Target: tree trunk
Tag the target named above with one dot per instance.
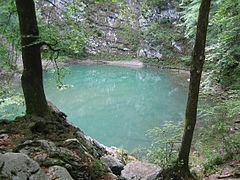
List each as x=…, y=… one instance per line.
x=198, y=58
x=32, y=82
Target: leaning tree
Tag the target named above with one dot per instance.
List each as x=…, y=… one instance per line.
x=181, y=168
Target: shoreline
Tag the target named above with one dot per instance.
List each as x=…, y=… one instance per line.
x=133, y=63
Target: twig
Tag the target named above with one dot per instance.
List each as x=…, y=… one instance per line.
x=50, y=46
x=54, y=59
x=50, y=2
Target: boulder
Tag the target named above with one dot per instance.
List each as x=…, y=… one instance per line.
x=73, y=156
x=150, y=53
x=19, y=166
x=29, y=146
x=113, y=163
x=99, y=149
x=59, y=173
x=140, y=171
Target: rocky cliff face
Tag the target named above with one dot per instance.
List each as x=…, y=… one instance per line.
x=128, y=29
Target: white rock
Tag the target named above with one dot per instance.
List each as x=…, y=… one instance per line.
x=113, y=163
x=140, y=171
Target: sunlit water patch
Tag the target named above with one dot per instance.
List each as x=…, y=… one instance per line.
x=117, y=105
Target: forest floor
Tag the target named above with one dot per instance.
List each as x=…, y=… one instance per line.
x=229, y=171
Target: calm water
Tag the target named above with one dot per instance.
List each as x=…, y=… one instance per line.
x=116, y=105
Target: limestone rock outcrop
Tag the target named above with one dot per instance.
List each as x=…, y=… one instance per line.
x=140, y=171
x=19, y=166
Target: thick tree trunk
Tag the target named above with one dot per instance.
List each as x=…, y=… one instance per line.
x=198, y=58
x=32, y=83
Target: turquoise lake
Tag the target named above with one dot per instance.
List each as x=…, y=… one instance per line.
x=117, y=105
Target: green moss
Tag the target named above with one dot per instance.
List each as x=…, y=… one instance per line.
x=165, y=62
x=97, y=170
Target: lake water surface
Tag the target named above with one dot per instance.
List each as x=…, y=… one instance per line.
x=117, y=105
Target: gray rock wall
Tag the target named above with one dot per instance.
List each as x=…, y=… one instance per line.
x=117, y=32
